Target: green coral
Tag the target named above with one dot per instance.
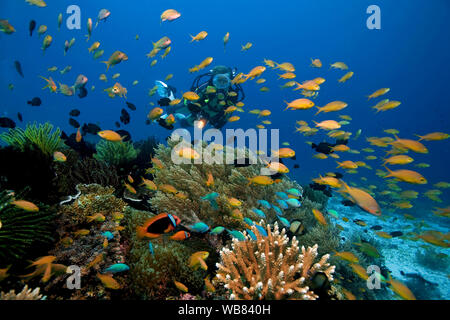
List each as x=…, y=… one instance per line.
x=42, y=137
x=21, y=231
x=115, y=153
x=152, y=276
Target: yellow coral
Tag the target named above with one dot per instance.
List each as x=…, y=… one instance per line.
x=270, y=268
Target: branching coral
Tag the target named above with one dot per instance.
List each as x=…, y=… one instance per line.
x=270, y=267
x=229, y=182
x=25, y=294
x=115, y=153
x=22, y=231
x=42, y=137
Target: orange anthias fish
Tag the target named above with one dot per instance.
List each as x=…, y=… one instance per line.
x=25, y=205
x=78, y=136
x=51, y=85
x=348, y=256
x=98, y=258
x=210, y=180
x=319, y=217
x=170, y=15
x=200, y=36
x=364, y=200
x=4, y=273
x=412, y=145
x=180, y=286
x=108, y=281
x=168, y=188
x=157, y=163
x=359, y=270
x=407, y=176
x=400, y=289
x=198, y=260
x=110, y=135
x=149, y=184
x=157, y=225
x=283, y=153
x=260, y=180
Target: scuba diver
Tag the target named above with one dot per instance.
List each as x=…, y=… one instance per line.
x=216, y=93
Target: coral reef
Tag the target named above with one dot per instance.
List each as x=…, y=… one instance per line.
x=23, y=232
x=115, y=153
x=229, y=182
x=85, y=171
x=270, y=267
x=152, y=275
x=42, y=137
x=25, y=294
x=315, y=195
x=82, y=241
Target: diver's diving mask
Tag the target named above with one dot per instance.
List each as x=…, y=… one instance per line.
x=221, y=81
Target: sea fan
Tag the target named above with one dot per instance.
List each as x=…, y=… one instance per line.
x=115, y=153
x=21, y=231
x=42, y=137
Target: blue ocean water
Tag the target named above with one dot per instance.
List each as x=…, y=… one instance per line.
x=409, y=55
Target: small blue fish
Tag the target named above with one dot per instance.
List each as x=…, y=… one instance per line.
x=333, y=213
x=108, y=235
x=294, y=192
x=277, y=210
x=260, y=213
x=251, y=234
x=261, y=230
x=282, y=195
x=285, y=222
x=118, y=267
x=237, y=234
x=294, y=203
x=211, y=197
x=150, y=248
x=248, y=221
x=282, y=204
x=200, y=227
x=217, y=230
x=264, y=203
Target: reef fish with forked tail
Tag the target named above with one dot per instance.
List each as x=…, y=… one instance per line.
x=157, y=225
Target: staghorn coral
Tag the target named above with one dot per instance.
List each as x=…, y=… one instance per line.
x=270, y=267
x=41, y=137
x=229, y=181
x=25, y=294
x=22, y=232
x=115, y=153
x=151, y=276
x=82, y=250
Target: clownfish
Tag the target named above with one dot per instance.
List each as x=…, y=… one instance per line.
x=157, y=225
